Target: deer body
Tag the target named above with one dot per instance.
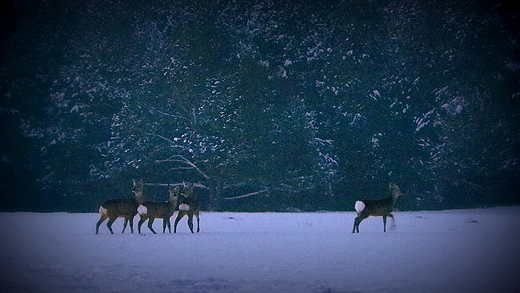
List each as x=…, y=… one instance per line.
x=188, y=206
x=122, y=207
x=164, y=210
x=377, y=208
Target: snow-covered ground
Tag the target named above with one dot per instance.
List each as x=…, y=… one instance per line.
x=443, y=251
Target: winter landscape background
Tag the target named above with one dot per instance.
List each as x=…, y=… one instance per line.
x=266, y=106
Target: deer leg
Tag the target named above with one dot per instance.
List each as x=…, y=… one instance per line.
x=109, y=224
x=163, y=225
x=393, y=221
x=141, y=221
x=179, y=217
x=150, y=223
x=101, y=220
x=384, y=223
x=355, y=229
x=357, y=221
x=198, y=228
x=190, y=222
x=166, y=222
x=131, y=219
x=124, y=225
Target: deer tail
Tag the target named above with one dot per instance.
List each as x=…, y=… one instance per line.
x=142, y=210
x=184, y=207
x=360, y=206
x=103, y=211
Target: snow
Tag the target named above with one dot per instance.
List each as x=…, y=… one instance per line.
x=429, y=251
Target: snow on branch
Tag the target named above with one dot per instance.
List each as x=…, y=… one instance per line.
x=282, y=187
x=176, y=184
x=172, y=143
x=183, y=160
x=247, y=195
x=168, y=114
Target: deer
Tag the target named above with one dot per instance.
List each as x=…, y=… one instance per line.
x=164, y=210
x=121, y=207
x=377, y=208
x=188, y=206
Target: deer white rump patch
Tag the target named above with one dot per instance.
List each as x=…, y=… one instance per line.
x=184, y=207
x=142, y=210
x=102, y=210
x=360, y=206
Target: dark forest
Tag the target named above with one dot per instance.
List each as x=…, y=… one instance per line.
x=264, y=105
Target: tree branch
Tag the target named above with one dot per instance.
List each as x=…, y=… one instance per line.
x=176, y=184
x=247, y=195
x=168, y=114
x=172, y=143
x=184, y=161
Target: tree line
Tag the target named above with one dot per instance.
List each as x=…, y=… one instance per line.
x=289, y=106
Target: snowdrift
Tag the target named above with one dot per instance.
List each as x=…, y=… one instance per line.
x=443, y=251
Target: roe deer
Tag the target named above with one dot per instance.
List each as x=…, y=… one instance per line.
x=377, y=208
x=164, y=210
x=121, y=207
x=188, y=206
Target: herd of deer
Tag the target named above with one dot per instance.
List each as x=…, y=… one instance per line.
x=181, y=199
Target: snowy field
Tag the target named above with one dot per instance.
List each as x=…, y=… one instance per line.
x=443, y=251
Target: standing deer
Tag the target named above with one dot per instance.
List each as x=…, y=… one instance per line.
x=377, y=208
x=164, y=210
x=188, y=206
x=121, y=207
